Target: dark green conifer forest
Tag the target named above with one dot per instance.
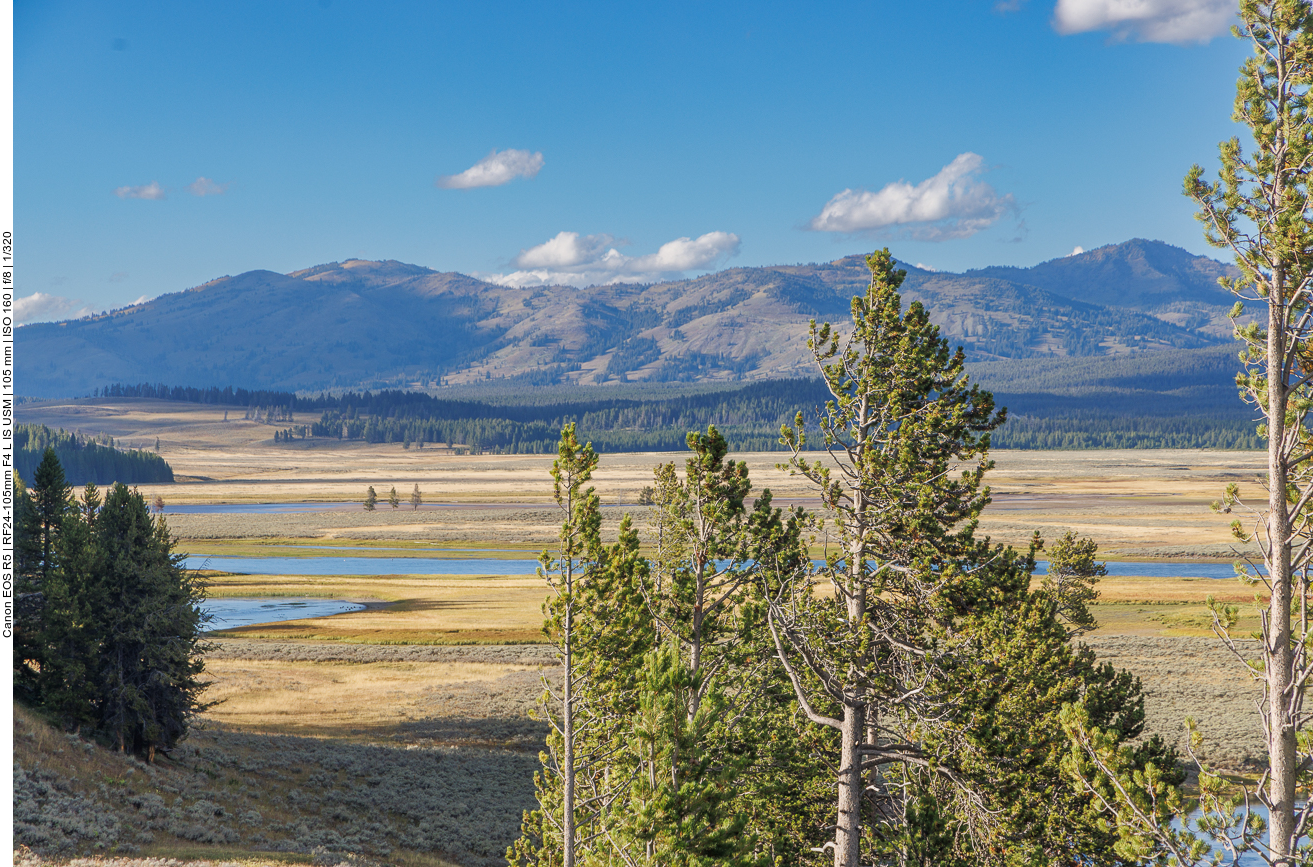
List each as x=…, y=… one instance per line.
x=86, y=460
x=108, y=628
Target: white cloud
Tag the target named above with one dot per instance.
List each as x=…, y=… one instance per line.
x=954, y=203
x=206, y=187
x=1076, y=251
x=687, y=254
x=566, y=250
x=494, y=170
x=584, y=260
x=1176, y=21
x=40, y=307
x=926, y=268
x=152, y=191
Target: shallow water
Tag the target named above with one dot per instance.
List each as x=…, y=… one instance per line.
x=251, y=508
x=285, y=508
x=411, y=552
x=229, y=613
x=1158, y=569
x=362, y=566
x=417, y=563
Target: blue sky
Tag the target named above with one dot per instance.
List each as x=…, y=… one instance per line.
x=159, y=145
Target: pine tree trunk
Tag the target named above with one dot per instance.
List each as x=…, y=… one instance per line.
x=567, y=823
x=1281, y=750
x=567, y=723
x=695, y=653
x=848, y=833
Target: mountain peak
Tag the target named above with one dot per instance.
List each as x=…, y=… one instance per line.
x=374, y=273
x=1138, y=274
x=363, y=323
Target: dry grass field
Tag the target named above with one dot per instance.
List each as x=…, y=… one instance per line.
x=318, y=698
x=1136, y=503
x=399, y=734
x=446, y=610
x=369, y=693
x=402, y=609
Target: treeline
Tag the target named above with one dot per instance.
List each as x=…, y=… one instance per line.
x=226, y=396
x=740, y=404
x=749, y=415
x=1127, y=432
x=85, y=459
x=1115, y=406
x=500, y=436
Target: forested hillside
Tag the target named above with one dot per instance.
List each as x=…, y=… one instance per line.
x=359, y=324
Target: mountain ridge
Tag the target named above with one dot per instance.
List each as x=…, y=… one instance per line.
x=361, y=323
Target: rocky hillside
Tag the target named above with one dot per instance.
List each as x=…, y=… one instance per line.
x=373, y=324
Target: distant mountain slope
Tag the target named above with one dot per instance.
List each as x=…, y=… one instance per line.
x=375, y=324
x=302, y=330
x=1147, y=276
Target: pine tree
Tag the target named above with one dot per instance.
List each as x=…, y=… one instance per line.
x=1070, y=579
x=1269, y=191
x=89, y=505
x=144, y=607
x=902, y=415
x=787, y=791
x=1008, y=685
x=52, y=498
x=27, y=596
x=393, y=500
x=613, y=633
x=599, y=603
x=707, y=598
x=551, y=834
x=371, y=499
x=703, y=571
x=681, y=808
x=69, y=675
x=40, y=516
x=416, y=498
x=115, y=639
